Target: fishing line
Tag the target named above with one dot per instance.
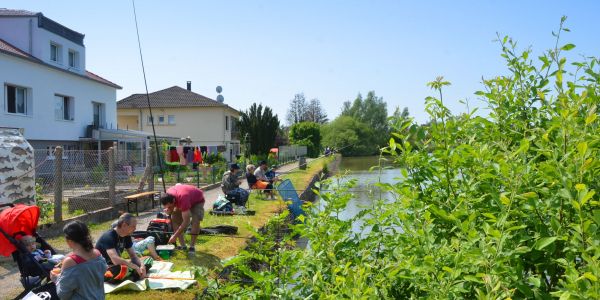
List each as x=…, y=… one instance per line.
x=162, y=176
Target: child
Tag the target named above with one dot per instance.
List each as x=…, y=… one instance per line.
x=43, y=257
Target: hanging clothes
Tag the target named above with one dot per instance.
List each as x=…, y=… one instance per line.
x=181, y=156
x=189, y=154
x=197, y=156
x=173, y=156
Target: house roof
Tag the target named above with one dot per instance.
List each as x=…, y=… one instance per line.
x=170, y=97
x=46, y=23
x=9, y=49
x=16, y=13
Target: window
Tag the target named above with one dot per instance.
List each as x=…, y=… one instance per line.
x=226, y=122
x=149, y=120
x=55, y=54
x=161, y=120
x=63, y=108
x=16, y=100
x=98, y=115
x=171, y=120
x=73, y=59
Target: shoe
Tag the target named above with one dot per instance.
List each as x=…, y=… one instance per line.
x=181, y=248
x=192, y=250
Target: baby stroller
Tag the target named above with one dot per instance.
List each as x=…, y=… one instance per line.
x=17, y=221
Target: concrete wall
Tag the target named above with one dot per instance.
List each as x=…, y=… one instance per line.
x=42, y=84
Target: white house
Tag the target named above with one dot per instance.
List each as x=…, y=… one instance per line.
x=46, y=89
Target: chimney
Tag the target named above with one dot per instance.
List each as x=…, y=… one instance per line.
x=189, y=86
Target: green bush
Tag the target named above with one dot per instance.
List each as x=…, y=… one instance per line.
x=488, y=208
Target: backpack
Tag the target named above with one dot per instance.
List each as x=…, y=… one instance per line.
x=222, y=205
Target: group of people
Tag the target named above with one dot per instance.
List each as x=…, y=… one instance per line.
x=81, y=273
x=257, y=178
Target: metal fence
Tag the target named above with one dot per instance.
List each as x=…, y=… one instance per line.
x=83, y=181
x=291, y=153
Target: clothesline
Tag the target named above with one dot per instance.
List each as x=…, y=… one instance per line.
x=184, y=155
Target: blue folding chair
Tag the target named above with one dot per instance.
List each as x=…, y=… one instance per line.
x=288, y=194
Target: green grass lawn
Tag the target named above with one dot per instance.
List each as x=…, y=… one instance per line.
x=210, y=250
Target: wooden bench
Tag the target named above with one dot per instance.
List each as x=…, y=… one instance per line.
x=135, y=197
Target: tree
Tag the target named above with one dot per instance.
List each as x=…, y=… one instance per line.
x=350, y=136
x=307, y=134
x=372, y=111
x=259, y=128
x=315, y=112
x=297, y=111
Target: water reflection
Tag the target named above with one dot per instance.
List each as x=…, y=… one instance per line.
x=365, y=191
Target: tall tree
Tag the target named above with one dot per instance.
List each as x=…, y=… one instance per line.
x=258, y=128
x=350, y=136
x=315, y=112
x=297, y=111
x=371, y=110
x=307, y=134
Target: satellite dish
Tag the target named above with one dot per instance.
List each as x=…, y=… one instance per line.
x=220, y=98
x=219, y=89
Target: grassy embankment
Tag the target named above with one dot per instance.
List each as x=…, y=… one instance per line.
x=210, y=250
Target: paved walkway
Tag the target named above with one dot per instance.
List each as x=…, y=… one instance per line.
x=9, y=273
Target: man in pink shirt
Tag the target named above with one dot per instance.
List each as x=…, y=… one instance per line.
x=184, y=202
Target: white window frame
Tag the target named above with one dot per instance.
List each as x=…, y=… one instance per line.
x=60, y=115
x=171, y=119
x=161, y=120
x=58, y=52
x=75, y=61
x=26, y=99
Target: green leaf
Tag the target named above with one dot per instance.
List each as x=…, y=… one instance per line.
x=567, y=47
x=544, y=242
x=534, y=281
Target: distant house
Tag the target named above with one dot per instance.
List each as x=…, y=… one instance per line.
x=46, y=90
x=179, y=112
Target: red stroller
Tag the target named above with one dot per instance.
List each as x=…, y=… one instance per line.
x=17, y=221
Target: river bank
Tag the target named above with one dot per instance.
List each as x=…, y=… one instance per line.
x=210, y=250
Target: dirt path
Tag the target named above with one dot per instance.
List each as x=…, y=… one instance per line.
x=9, y=273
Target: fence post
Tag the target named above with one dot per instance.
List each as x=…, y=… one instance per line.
x=111, y=176
x=150, y=164
x=58, y=184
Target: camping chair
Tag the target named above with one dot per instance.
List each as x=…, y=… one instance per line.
x=288, y=193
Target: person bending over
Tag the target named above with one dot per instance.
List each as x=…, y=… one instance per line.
x=185, y=204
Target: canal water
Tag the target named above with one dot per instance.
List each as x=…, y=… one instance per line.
x=365, y=191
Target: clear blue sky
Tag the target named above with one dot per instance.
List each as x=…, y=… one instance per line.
x=266, y=51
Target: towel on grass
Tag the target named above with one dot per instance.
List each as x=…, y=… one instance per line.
x=159, y=276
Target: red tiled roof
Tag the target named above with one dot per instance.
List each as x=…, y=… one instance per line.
x=7, y=48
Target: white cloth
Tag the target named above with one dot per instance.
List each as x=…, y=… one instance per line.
x=160, y=277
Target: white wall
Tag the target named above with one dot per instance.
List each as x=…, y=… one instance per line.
x=43, y=83
x=15, y=30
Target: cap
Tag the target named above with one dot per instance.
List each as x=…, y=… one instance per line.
x=262, y=162
x=234, y=166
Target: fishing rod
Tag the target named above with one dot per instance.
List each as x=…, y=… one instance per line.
x=319, y=157
x=162, y=176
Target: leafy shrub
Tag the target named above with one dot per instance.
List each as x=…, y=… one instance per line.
x=497, y=208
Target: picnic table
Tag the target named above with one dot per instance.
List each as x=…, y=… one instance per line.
x=135, y=197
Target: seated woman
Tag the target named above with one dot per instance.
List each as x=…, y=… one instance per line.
x=255, y=183
x=82, y=272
